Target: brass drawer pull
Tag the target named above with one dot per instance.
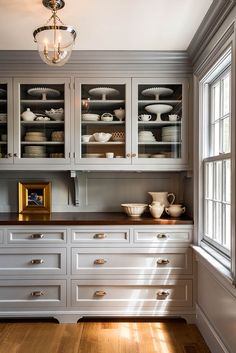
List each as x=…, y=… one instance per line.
x=162, y=261
x=37, y=236
x=162, y=294
x=100, y=293
x=37, y=294
x=37, y=261
x=99, y=236
x=162, y=236
x=99, y=262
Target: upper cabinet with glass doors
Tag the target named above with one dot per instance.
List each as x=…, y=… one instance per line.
x=42, y=119
x=103, y=121
x=6, y=130
x=160, y=122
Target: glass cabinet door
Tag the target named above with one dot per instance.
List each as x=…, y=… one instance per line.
x=103, y=121
x=160, y=121
x=6, y=128
x=43, y=109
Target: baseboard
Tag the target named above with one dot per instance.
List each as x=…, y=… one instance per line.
x=211, y=337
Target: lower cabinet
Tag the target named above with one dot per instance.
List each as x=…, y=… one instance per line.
x=68, y=273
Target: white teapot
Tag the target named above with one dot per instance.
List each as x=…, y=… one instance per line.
x=163, y=197
x=156, y=209
x=28, y=115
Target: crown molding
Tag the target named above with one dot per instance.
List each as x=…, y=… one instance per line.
x=99, y=61
x=212, y=21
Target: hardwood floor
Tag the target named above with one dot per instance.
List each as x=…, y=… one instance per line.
x=101, y=337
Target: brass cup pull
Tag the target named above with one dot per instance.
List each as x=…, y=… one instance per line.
x=163, y=294
x=100, y=293
x=37, y=293
x=161, y=236
x=99, y=262
x=162, y=261
x=37, y=261
x=99, y=236
x=133, y=155
x=128, y=155
x=37, y=236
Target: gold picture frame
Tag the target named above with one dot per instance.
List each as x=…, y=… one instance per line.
x=34, y=197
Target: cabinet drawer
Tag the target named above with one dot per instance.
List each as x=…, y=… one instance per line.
x=35, y=236
x=32, y=261
x=100, y=236
x=159, y=295
x=29, y=294
x=131, y=261
x=162, y=236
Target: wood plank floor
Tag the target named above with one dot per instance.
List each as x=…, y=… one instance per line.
x=101, y=337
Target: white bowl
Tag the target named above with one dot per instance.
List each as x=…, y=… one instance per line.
x=102, y=136
x=134, y=209
x=55, y=114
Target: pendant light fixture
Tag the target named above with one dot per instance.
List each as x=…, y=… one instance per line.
x=55, y=40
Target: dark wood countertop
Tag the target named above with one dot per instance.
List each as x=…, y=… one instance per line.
x=87, y=218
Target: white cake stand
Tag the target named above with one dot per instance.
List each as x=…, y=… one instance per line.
x=103, y=92
x=157, y=92
x=158, y=109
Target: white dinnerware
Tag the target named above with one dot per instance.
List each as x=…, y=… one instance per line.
x=157, y=92
x=103, y=92
x=119, y=113
x=109, y=154
x=107, y=117
x=173, y=117
x=158, y=109
x=44, y=92
x=55, y=114
x=28, y=115
x=86, y=138
x=163, y=197
x=175, y=210
x=134, y=209
x=144, y=117
x=156, y=209
x=102, y=137
x=90, y=117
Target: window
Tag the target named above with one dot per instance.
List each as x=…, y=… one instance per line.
x=216, y=157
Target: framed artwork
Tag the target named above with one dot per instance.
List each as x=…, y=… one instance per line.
x=34, y=197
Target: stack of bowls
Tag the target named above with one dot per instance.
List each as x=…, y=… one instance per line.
x=35, y=136
x=146, y=136
x=35, y=152
x=171, y=133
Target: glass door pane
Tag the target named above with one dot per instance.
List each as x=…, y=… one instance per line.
x=3, y=121
x=159, y=121
x=42, y=123
x=103, y=122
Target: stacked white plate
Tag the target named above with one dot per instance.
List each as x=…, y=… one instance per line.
x=171, y=134
x=35, y=136
x=146, y=136
x=35, y=152
x=90, y=117
x=3, y=117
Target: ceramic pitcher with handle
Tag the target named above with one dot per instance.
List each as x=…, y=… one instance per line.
x=164, y=198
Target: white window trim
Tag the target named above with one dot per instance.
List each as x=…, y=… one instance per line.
x=200, y=108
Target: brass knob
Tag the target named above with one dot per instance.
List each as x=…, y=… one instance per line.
x=100, y=293
x=162, y=261
x=100, y=261
x=37, y=236
x=160, y=235
x=37, y=261
x=162, y=294
x=128, y=155
x=99, y=236
x=9, y=155
x=133, y=154
x=37, y=294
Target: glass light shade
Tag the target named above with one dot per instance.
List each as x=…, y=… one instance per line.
x=55, y=43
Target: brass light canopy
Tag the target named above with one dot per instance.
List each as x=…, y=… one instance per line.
x=55, y=40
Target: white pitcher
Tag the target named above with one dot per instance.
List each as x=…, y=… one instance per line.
x=156, y=209
x=166, y=199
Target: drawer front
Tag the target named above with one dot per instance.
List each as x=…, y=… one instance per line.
x=162, y=236
x=35, y=236
x=31, y=294
x=100, y=236
x=128, y=261
x=32, y=261
x=159, y=296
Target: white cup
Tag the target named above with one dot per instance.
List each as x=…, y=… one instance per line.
x=173, y=117
x=109, y=154
x=86, y=138
x=144, y=117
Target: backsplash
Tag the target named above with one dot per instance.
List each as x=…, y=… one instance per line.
x=97, y=191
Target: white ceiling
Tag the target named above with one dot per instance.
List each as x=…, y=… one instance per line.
x=107, y=24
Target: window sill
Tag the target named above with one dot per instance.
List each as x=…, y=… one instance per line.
x=220, y=272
